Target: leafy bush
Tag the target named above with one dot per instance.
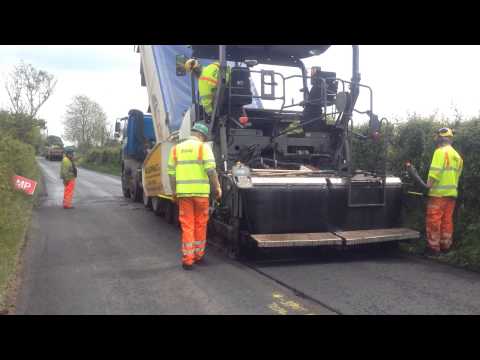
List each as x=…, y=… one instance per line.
x=22, y=127
x=413, y=140
x=17, y=158
x=106, y=155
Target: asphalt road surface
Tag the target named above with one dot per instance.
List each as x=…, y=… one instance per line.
x=112, y=256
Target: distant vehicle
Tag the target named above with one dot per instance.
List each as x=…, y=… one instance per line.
x=54, y=148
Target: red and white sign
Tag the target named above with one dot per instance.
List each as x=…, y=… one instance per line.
x=24, y=184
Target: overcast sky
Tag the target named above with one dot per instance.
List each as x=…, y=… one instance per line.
x=405, y=79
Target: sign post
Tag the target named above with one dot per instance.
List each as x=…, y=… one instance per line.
x=26, y=185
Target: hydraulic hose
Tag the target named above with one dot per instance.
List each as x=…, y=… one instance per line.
x=414, y=174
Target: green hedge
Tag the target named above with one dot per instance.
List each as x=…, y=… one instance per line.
x=107, y=155
x=18, y=158
x=106, y=160
x=413, y=140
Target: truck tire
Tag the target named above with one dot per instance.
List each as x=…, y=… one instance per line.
x=136, y=191
x=169, y=211
x=147, y=201
x=158, y=206
x=125, y=190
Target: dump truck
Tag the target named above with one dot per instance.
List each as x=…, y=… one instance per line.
x=54, y=148
x=285, y=170
x=137, y=138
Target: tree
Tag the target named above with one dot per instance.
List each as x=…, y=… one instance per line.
x=85, y=123
x=28, y=89
x=22, y=127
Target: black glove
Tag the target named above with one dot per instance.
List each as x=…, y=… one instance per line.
x=425, y=191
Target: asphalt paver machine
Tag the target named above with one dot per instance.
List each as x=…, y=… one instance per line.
x=286, y=173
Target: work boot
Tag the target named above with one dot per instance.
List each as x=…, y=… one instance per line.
x=187, y=267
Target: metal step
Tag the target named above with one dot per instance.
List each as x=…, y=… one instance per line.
x=289, y=240
x=337, y=238
x=375, y=236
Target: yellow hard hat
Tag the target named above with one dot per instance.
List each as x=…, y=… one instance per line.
x=445, y=132
x=191, y=64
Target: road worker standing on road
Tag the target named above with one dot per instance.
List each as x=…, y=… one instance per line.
x=191, y=169
x=443, y=177
x=207, y=81
x=68, y=173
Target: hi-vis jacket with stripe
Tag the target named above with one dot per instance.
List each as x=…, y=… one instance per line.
x=190, y=162
x=446, y=169
x=68, y=170
x=207, y=85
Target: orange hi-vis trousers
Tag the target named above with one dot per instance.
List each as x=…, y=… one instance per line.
x=193, y=217
x=440, y=222
x=68, y=193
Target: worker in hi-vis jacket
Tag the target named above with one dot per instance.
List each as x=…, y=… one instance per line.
x=191, y=169
x=68, y=173
x=443, y=176
x=207, y=81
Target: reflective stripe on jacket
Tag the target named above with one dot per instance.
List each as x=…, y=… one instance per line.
x=207, y=85
x=189, y=162
x=446, y=168
x=67, y=169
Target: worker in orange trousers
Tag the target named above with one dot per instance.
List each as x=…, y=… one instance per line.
x=68, y=173
x=443, y=177
x=192, y=172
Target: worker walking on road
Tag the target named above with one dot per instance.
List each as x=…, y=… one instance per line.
x=207, y=81
x=443, y=177
x=191, y=169
x=68, y=173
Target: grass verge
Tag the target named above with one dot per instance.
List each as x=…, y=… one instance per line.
x=465, y=251
x=15, y=214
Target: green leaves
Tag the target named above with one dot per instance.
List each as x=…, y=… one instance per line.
x=413, y=140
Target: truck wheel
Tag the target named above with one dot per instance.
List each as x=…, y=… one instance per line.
x=157, y=206
x=169, y=212
x=125, y=190
x=136, y=191
x=147, y=201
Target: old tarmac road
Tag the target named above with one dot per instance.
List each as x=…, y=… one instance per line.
x=111, y=256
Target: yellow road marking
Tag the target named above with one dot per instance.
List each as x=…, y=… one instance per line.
x=286, y=305
x=278, y=309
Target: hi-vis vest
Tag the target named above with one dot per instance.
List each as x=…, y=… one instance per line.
x=446, y=169
x=67, y=171
x=189, y=162
x=207, y=85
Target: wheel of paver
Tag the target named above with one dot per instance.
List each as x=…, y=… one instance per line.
x=236, y=247
x=232, y=251
x=157, y=206
x=147, y=201
x=125, y=190
x=136, y=191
